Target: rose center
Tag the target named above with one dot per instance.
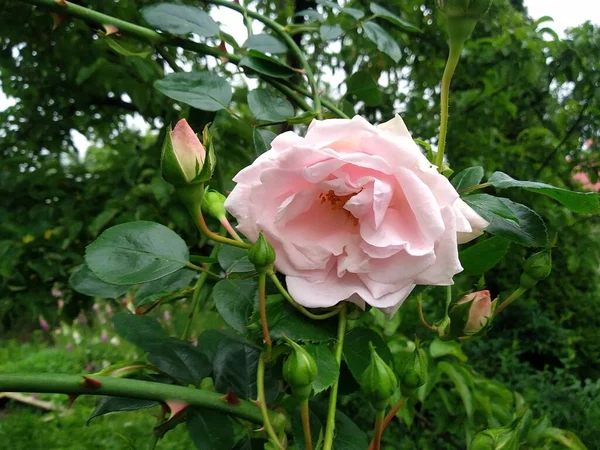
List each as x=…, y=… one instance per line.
x=337, y=202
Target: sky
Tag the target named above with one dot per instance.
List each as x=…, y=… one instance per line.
x=565, y=14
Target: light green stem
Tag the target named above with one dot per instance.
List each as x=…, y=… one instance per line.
x=305, y=413
x=262, y=400
x=330, y=425
x=511, y=298
x=378, y=430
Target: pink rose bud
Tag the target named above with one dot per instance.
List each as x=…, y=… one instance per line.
x=471, y=314
x=183, y=155
x=43, y=324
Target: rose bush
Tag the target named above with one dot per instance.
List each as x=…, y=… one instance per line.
x=355, y=212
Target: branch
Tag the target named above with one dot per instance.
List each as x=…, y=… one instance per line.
x=123, y=387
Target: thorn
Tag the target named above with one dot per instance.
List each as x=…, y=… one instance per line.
x=223, y=48
x=231, y=398
x=90, y=383
x=300, y=71
x=175, y=407
x=72, y=398
x=255, y=402
x=61, y=3
x=110, y=29
x=57, y=20
x=260, y=430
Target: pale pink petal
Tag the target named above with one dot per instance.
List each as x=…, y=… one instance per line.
x=476, y=223
x=395, y=126
x=189, y=151
x=323, y=133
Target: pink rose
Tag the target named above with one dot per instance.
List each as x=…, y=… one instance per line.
x=355, y=212
x=183, y=155
x=479, y=312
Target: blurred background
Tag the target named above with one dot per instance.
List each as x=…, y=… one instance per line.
x=80, y=133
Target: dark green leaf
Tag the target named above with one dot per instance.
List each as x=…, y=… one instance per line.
x=348, y=436
x=180, y=20
x=380, y=11
x=489, y=207
x=471, y=176
x=364, y=86
x=580, y=202
x=357, y=352
x=139, y=330
x=235, y=300
x=150, y=292
x=266, y=65
x=462, y=382
x=311, y=14
x=117, y=404
x=265, y=43
x=210, y=430
x=284, y=320
x=382, y=39
x=235, y=260
x=330, y=32
x=267, y=106
x=85, y=282
x=136, y=252
x=262, y=139
x=483, y=256
x=356, y=13
x=178, y=359
x=202, y=90
x=328, y=369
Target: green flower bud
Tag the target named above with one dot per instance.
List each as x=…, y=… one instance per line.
x=464, y=9
x=183, y=155
x=378, y=381
x=413, y=372
x=471, y=314
x=503, y=438
x=261, y=254
x=299, y=371
x=212, y=204
x=537, y=267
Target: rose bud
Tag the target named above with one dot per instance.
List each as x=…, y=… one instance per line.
x=212, y=204
x=299, y=371
x=471, y=314
x=503, y=437
x=537, y=267
x=378, y=381
x=261, y=254
x=413, y=372
x=183, y=157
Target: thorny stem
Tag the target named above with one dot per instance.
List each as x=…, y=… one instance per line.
x=262, y=305
x=330, y=424
x=305, y=413
x=260, y=388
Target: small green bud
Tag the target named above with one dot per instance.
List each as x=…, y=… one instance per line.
x=413, y=372
x=212, y=204
x=183, y=155
x=299, y=371
x=537, y=267
x=503, y=438
x=464, y=9
x=261, y=254
x=378, y=381
x=471, y=314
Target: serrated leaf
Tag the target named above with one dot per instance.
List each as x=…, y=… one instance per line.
x=327, y=367
x=235, y=300
x=152, y=291
x=467, y=178
x=209, y=429
x=108, y=405
x=364, y=87
x=265, y=43
x=136, y=252
x=382, y=12
x=202, y=90
x=267, y=106
x=330, y=32
x=262, y=139
x=235, y=260
x=579, y=202
x=382, y=39
x=85, y=282
x=266, y=65
x=357, y=353
x=484, y=255
x=180, y=20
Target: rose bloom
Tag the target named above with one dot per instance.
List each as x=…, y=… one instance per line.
x=354, y=212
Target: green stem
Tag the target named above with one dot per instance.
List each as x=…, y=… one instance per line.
x=262, y=305
x=262, y=400
x=453, y=57
x=330, y=425
x=289, y=92
x=202, y=270
x=123, y=387
x=301, y=308
x=378, y=430
x=421, y=315
x=172, y=62
x=280, y=30
x=511, y=298
x=305, y=413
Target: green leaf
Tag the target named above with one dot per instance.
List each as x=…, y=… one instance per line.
x=262, y=139
x=265, y=43
x=85, y=282
x=461, y=382
x=484, y=255
x=380, y=11
x=235, y=300
x=330, y=32
x=364, y=86
x=471, y=176
x=489, y=207
x=139, y=330
x=266, y=65
x=356, y=13
x=117, y=404
x=311, y=14
x=101, y=220
x=235, y=260
x=382, y=39
x=268, y=106
x=9, y=258
x=127, y=47
x=329, y=4
x=439, y=348
x=180, y=20
x=529, y=231
x=348, y=436
x=178, y=359
x=210, y=430
x=564, y=437
x=579, y=202
x=153, y=291
x=328, y=369
x=202, y=90
x=136, y=252
x=357, y=353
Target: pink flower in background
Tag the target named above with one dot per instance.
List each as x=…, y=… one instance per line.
x=60, y=303
x=355, y=212
x=69, y=347
x=56, y=292
x=585, y=181
x=43, y=324
x=104, y=336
